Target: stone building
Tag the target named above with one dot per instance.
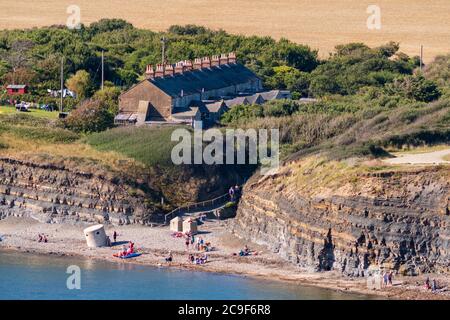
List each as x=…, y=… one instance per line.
x=180, y=93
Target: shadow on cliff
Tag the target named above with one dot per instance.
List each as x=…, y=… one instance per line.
x=326, y=255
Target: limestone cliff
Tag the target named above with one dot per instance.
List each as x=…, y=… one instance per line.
x=324, y=215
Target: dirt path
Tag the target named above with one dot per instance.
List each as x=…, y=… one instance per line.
x=430, y=158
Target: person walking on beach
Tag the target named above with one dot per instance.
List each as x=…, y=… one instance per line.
x=187, y=243
x=434, y=286
x=115, y=236
x=385, y=279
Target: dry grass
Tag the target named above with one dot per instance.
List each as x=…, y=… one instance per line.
x=79, y=152
x=321, y=24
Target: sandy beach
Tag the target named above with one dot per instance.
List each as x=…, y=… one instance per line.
x=155, y=243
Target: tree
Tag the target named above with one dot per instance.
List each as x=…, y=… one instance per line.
x=415, y=87
x=81, y=84
x=285, y=77
x=109, y=98
x=89, y=116
x=18, y=56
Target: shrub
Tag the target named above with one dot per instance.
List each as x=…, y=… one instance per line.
x=90, y=116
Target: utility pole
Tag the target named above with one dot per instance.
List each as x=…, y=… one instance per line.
x=163, y=58
x=103, y=69
x=62, y=85
x=421, y=58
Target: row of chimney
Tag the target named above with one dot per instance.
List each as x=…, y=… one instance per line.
x=187, y=65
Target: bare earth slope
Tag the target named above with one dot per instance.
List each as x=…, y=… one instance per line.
x=321, y=24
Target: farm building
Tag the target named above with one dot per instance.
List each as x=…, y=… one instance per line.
x=187, y=92
x=17, y=89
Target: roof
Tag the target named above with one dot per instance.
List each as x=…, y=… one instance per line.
x=126, y=117
x=236, y=101
x=276, y=94
x=186, y=113
x=16, y=86
x=256, y=99
x=206, y=79
x=215, y=106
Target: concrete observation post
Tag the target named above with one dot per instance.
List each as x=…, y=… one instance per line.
x=96, y=236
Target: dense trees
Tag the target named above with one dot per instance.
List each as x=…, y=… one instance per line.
x=33, y=56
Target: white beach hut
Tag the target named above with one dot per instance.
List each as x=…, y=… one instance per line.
x=96, y=236
x=190, y=225
x=176, y=224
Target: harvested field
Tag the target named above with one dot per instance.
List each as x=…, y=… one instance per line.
x=321, y=24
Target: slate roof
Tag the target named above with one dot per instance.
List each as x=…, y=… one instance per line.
x=206, y=79
x=215, y=106
x=236, y=101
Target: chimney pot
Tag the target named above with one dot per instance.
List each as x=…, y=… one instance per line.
x=187, y=65
x=215, y=61
x=232, y=57
x=159, y=70
x=168, y=70
x=149, y=72
x=197, y=63
x=206, y=62
x=223, y=58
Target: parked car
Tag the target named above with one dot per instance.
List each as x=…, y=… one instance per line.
x=23, y=106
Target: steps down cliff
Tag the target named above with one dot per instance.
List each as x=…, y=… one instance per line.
x=335, y=218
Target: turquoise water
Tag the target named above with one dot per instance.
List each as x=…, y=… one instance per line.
x=26, y=276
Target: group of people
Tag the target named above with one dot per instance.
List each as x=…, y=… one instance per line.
x=199, y=244
x=431, y=285
x=197, y=259
x=245, y=252
x=127, y=250
x=234, y=193
x=42, y=238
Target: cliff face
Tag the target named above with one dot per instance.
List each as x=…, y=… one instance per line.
x=332, y=217
x=52, y=193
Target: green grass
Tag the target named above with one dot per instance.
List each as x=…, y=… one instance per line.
x=150, y=146
x=32, y=112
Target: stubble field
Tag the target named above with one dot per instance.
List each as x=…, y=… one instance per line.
x=321, y=23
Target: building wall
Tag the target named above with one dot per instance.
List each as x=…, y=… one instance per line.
x=161, y=103
x=183, y=102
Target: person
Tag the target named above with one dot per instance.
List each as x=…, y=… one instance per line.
x=231, y=193
x=170, y=257
x=237, y=191
x=390, y=278
x=41, y=239
x=115, y=236
x=192, y=239
x=427, y=283
x=187, y=243
x=385, y=279
x=434, y=286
